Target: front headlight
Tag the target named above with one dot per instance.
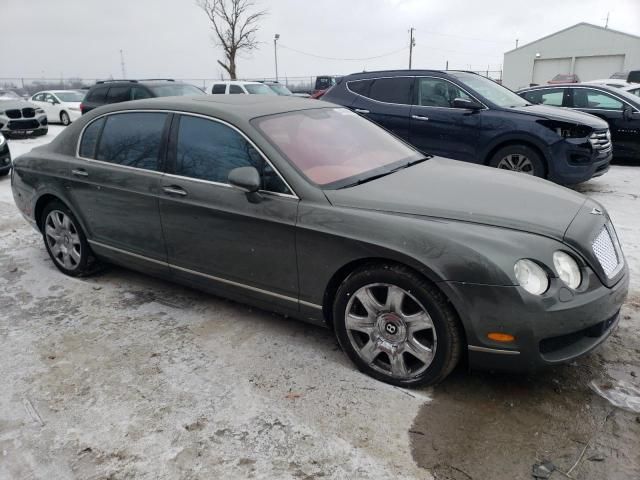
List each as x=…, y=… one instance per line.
x=39, y=110
x=2, y=140
x=567, y=269
x=531, y=276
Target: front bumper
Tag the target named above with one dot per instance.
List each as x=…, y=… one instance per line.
x=20, y=127
x=574, y=161
x=548, y=330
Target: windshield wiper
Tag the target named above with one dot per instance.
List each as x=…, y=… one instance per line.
x=360, y=181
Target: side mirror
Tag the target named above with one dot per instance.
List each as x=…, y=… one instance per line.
x=627, y=113
x=248, y=180
x=466, y=104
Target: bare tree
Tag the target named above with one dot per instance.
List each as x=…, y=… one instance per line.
x=234, y=26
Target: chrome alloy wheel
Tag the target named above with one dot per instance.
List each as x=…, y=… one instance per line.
x=517, y=162
x=390, y=330
x=63, y=239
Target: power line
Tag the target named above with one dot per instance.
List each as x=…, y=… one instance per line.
x=345, y=59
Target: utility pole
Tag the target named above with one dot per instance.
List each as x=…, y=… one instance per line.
x=412, y=43
x=447, y=66
x=606, y=25
x=124, y=74
x=517, y=42
x=275, y=51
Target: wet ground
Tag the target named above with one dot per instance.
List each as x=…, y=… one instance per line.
x=122, y=376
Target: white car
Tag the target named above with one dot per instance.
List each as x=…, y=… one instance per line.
x=633, y=88
x=61, y=106
x=231, y=87
x=611, y=82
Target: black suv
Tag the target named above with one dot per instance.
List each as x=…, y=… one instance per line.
x=465, y=116
x=116, y=91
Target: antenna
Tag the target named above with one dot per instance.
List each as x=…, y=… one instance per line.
x=124, y=74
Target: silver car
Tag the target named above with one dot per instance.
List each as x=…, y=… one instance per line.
x=19, y=117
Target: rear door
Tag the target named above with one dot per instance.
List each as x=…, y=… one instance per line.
x=625, y=131
x=115, y=184
x=215, y=237
x=38, y=100
x=437, y=127
x=51, y=106
x=386, y=101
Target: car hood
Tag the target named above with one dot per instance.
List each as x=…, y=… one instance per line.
x=563, y=114
x=461, y=191
x=9, y=104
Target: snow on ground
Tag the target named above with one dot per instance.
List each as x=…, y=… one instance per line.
x=123, y=376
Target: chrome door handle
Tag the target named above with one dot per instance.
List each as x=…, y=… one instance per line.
x=419, y=117
x=360, y=110
x=173, y=190
x=80, y=172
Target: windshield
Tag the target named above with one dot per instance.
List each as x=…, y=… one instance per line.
x=494, y=93
x=258, y=89
x=175, y=90
x=334, y=147
x=70, y=96
x=280, y=89
x=9, y=95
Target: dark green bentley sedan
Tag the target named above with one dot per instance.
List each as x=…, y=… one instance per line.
x=307, y=209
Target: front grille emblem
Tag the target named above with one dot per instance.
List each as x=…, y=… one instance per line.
x=596, y=211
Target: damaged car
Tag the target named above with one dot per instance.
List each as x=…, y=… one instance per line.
x=304, y=208
x=465, y=116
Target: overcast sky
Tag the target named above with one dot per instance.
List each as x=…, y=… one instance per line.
x=172, y=38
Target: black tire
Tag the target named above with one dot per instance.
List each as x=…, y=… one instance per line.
x=86, y=263
x=4, y=173
x=536, y=162
x=446, y=324
x=64, y=118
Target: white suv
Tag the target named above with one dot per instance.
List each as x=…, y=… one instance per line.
x=231, y=87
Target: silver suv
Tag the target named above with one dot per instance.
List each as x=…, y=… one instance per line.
x=19, y=117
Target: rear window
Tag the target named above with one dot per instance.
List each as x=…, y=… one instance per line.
x=97, y=95
x=132, y=139
x=219, y=88
x=361, y=87
x=634, y=77
x=175, y=90
x=334, y=147
x=90, y=139
x=391, y=90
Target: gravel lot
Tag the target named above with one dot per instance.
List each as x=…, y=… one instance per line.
x=124, y=376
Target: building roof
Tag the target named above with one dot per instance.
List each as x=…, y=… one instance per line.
x=581, y=24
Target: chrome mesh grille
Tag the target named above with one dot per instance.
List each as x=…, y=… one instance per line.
x=605, y=252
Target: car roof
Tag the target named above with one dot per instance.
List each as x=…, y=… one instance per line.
x=231, y=108
x=237, y=82
x=400, y=73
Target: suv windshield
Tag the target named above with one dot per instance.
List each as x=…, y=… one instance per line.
x=258, y=89
x=70, y=96
x=9, y=95
x=496, y=94
x=175, y=90
x=334, y=147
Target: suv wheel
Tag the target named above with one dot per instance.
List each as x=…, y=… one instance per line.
x=396, y=327
x=519, y=158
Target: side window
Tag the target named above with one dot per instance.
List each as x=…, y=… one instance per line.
x=209, y=150
x=391, y=90
x=132, y=139
x=595, y=99
x=436, y=92
x=90, y=139
x=97, y=95
x=49, y=98
x=551, y=96
x=361, y=87
x=219, y=88
x=138, y=93
x=235, y=89
x=119, y=94
x=39, y=97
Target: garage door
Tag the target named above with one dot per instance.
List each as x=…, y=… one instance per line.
x=600, y=66
x=544, y=69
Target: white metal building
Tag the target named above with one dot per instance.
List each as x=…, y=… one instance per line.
x=589, y=51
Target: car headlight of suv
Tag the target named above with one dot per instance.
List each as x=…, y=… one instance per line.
x=39, y=110
x=567, y=269
x=2, y=140
x=531, y=276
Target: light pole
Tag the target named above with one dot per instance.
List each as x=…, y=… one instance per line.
x=275, y=52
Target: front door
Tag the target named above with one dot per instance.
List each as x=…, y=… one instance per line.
x=116, y=184
x=217, y=238
x=437, y=128
x=624, y=127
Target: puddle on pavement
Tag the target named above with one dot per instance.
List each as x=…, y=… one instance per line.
x=484, y=426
